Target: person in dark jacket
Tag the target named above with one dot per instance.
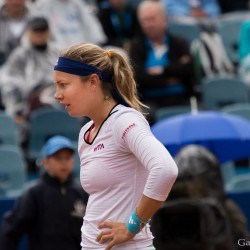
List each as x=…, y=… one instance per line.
x=162, y=62
x=51, y=211
x=119, y=22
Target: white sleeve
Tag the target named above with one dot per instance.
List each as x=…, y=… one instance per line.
x=133, y=133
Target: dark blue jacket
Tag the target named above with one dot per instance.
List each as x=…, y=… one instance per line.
x=50, y=213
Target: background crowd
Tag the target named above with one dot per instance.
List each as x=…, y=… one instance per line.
x=33, y=32
x=166, y=68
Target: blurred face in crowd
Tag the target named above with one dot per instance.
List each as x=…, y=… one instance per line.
x=38, y=37
x=153, y=20
x=15, y=8
x=60, y=164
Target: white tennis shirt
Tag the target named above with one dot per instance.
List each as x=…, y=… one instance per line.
x=123, y=162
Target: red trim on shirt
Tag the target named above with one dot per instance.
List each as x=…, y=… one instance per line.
x=88, y=134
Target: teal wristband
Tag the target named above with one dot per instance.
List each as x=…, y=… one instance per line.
x=134, y=224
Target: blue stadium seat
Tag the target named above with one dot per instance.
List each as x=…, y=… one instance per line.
x=45, y=123
x=8, y=130
x=239, y=182
x=229, y=30
x=219, y=91
x=12, y=170
x=166, y=112
x=241, y=109
x=188, y=31
x=6, y=204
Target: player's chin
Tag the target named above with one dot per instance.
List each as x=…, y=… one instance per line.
x=72, y=113
x=75, y=113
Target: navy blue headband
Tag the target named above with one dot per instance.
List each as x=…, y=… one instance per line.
x=82, y=69
x=79, y=68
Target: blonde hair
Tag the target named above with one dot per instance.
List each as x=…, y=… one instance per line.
x=113, y=63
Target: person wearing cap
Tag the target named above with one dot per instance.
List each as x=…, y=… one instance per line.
x=51, y=211
x=27, y=72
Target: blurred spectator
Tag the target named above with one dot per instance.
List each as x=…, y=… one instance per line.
x=244, y=40
x=178, y=10
x=244, y=52
x=28, y=69
x=14, y=15
x=210, y=56
x=119, y=22
x=200, y=177
x=51, y=211
x=71, y=22
x=162, y=62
